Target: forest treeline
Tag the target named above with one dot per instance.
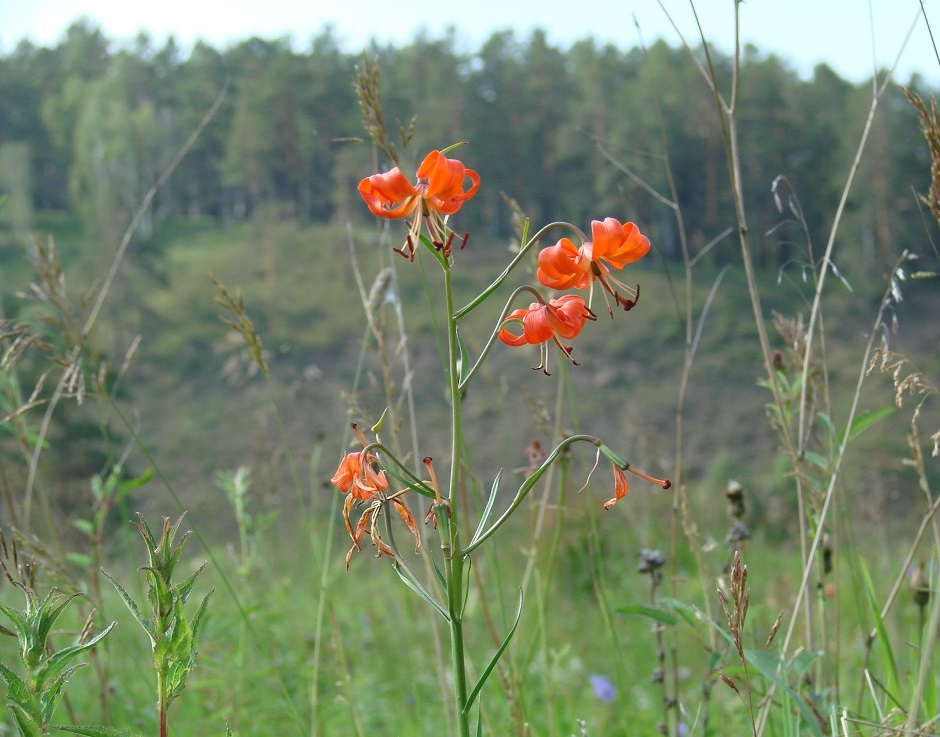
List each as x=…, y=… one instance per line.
x=574, y=133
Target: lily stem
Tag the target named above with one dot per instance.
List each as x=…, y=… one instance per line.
x=447, y=512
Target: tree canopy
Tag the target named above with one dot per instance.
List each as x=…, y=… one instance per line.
x=98, y=125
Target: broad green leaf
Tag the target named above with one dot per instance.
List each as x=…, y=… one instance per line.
x=53, y=692
x=24, y=721
x=804, y=661
x=654, y=613
x=85, y=527
x=17, y=689
x=690, y=614
x=768, y=664
x=79, y=559
x=864, y=420
x=816, y=459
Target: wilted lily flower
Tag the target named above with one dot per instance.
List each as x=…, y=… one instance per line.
x=357, y=477
x=613, y=245
x=621, y=487
x=440, y=191
x=544, y=321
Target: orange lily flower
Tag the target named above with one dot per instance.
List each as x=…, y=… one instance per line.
x=359, y=478
x=613, y=245
x=543, y=321
x=439, y=192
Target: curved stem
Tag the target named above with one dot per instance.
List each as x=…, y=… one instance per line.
x=527, y=486
x=512, y=264
x=402, y=563
x=418, y=485
x=492, y=339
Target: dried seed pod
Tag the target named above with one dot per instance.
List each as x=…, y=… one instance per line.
x=734, y=493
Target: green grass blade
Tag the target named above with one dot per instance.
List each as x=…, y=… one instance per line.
x=654, y=613
x=496, y=656
x=891, y=679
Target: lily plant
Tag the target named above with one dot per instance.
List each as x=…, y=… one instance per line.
x=376, y=481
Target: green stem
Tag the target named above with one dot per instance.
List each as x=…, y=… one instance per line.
x=492, y=339
x=512, y=264
x=528, y=484
x=163, y=698
x=450, y=532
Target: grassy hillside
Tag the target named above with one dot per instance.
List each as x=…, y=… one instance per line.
x=199, y=408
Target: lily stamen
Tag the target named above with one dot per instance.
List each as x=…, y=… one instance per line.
x=664, y=483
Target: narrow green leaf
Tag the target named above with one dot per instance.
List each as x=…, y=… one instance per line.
x=892, y=681
x=422, y=489
x=132, y=606
x=464, y=364
x=495, y=658
x=826, y=422
x=128, y=485
x=79, y=559
x=198, y=617
x=410, y=584
x=18, y=621
x=651, y=612
x=49, y=616
x=145, y=531
x=95, y=731
x=489, y=508
x=185, y=588
x=58, y=661
x=170, y=563
x=438, y=572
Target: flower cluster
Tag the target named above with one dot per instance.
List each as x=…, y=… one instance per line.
x=441, y=188
x=613, y=245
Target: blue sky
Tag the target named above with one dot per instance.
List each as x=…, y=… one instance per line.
x=804, y=32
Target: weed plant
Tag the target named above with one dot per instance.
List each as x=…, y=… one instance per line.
x=508, y=597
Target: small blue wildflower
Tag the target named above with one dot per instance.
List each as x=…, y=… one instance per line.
x=603, y=688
